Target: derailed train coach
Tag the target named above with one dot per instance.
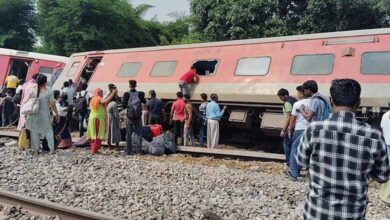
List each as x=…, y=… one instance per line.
x=246, y=74
x=24, y=64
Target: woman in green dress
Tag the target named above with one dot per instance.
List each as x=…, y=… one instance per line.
x=96, y=131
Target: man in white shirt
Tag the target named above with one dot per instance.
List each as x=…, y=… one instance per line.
x=384, y=193
x=296, y=127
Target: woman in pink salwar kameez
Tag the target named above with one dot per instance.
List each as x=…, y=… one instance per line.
x=25, y=95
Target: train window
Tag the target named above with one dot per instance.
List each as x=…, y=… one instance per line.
x=72, y=69
x=253, y=66
x=375, y=63
x=164, y=68
x=316, y=64
x=206, y=67
x=129, y=69
x=46, y=70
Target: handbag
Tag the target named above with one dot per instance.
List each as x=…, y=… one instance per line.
x=23, y=140
x=30, y=107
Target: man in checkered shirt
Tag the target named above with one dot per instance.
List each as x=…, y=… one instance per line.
x=342, y=154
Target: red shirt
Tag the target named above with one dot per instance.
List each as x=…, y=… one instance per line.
x=178, y=108
x=188, y=77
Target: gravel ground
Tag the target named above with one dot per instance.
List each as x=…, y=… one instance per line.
x=168, y=187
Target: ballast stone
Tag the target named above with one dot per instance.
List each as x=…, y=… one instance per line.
x=144, y=187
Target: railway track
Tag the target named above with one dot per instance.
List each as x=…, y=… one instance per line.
x=44, y=208
x=241, y=154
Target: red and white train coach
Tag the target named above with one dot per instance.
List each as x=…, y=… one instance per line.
x=25, y=64
x=246, y=74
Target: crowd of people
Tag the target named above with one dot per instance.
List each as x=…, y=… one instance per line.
x=340, y=152
x=97, y=117
x=320, y=135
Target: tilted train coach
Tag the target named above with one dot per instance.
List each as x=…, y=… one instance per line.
x=246, y=74
x=25, y=64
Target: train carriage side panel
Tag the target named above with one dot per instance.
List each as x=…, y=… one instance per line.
x=4, y=61
x=344, y=54
x=71, y=70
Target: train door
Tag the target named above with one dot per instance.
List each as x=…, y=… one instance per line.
x=19, y=67
x=89, y=69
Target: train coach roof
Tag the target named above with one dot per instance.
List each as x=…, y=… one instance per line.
x=32, y=55
x=355, y=33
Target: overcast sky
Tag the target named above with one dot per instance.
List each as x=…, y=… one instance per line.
x=163, y=7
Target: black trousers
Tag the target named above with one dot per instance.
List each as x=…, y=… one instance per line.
x=178, y=131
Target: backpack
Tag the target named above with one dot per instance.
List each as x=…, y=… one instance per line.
x=291, y=100
x=81, y=103
x=328, y=108
x=134, y=108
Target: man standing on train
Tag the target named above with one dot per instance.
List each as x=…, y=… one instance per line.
x=319, y=108
x=288, y=102
x=188, y=78
x=342, y=155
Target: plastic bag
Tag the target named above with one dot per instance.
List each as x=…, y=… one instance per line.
x=170, y=147
x=157, y=146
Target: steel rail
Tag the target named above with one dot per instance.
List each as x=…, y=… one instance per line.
x=46, y=208
x=244, y=154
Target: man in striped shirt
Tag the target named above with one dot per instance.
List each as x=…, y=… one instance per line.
x=342, y=154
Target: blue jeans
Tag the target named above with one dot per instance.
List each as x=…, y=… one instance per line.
x=287, y=147
x=202, y=129
x=294, y=168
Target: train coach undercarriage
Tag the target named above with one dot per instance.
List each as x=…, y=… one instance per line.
x=257, y=126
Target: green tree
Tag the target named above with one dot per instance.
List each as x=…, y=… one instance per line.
x=17, y=23
x=230, y=20
x=69, y=26
x=216, y=20
x=340, y=15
